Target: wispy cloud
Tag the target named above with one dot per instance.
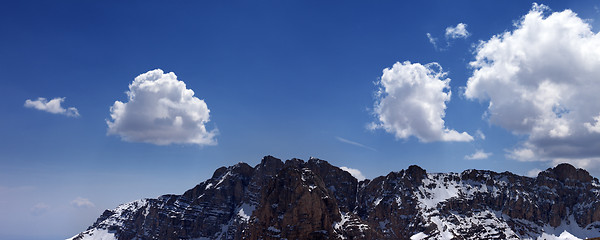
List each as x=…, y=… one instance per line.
x=16, y=189
x=480, y=134
x=432, y=40
x=52, y=106
x=355, y=143
x=452, y=32
x=39, y=209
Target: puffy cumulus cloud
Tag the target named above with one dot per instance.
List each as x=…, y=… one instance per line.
x=52, y=106
x=412, y=100
x=478, y=155
x=460, y=31
x=541, y=80
x=354, y=172
x=161, y=110
x=82, y=203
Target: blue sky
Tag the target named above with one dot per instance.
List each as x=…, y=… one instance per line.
x=282, y=78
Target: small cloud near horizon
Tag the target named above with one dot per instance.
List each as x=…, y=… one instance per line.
x=82, y=203
x=354, y=172
x=533, y=172
x=478, y=155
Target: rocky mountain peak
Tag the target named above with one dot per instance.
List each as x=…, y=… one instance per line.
x=242, y=168
x=269, y=165
x=294, y=162
x=314, y=160
x=270, y=161
x=565, y=171
x=219, y=172
x=316, y=200
x=297, y=205
x=415, y=172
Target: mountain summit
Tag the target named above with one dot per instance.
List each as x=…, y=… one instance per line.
x=316, y=200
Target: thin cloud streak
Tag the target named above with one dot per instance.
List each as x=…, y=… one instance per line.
x=355, y=143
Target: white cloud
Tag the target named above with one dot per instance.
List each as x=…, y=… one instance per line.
x=541, y=80
x=52, y=106
x=412, y=100
x=460, y=31
x=82, y=203
x=39, y=209
x=522, y=154
x=533, y=172
x=162, y=111
x=354, y=172
x=479, y=154
x=593, y=127
x=355, y=143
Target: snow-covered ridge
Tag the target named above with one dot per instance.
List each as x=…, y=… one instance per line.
x=488, y=205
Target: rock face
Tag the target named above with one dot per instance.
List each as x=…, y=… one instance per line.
x=315, y=200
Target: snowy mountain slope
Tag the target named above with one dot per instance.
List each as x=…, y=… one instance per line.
x=315, y=200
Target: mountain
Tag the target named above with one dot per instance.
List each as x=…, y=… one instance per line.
x=316, y=200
